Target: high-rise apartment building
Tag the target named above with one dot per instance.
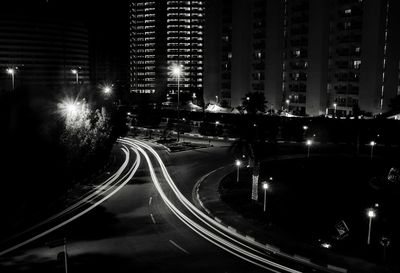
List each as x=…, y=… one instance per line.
x=163, y=33
x=309, y=57
x=41, y=50
x=236, y=39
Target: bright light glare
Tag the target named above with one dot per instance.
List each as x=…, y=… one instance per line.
x=265, y=186
x=74, y=71
x=175, y=70
x=372, y=143
x=107, y=89
x=238, y=163
x=287, y=101
x=326, y=245
x=309, y=142
x=371, y=213
x=10, y=71
x=69, y=108
x=305, y=127
x=217, y=122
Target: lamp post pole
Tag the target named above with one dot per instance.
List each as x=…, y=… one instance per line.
x=373, y=143
x=178, y=78
x=308, y=143
x=335, y=106
x=238, y=163
x=65, y=256
x=371, y=214
x=13, y=80
x=265, y=187
x=11, y=71
x=76, y=73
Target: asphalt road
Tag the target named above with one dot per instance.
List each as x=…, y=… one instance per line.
x=143, y=222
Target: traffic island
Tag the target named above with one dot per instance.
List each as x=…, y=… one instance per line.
x=301, y=223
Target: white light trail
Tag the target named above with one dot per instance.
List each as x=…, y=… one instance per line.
x=121, y=183
x=235, y=249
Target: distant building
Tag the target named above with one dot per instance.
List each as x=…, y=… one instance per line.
x=309, y=57
x=42, y=51
x=163, y=33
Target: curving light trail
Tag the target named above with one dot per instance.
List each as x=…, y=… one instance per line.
x=232, y=246
x=113, y=184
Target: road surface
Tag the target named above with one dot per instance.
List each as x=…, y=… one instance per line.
x=142, y=219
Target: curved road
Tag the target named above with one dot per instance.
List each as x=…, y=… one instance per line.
x=142, y=219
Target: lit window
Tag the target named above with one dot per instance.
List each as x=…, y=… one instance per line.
x=357, y=64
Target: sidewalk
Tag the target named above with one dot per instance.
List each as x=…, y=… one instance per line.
x=207, y=198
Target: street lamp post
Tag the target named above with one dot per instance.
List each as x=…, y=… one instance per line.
x=308, y=143
x=65, y=256
x=335, y=106
x=237, y=163
x=176, y=71
x=371, y=214
x=265, y=186
x=372, y=143
x=76, y=73
x=288, y=105
x=11, y=72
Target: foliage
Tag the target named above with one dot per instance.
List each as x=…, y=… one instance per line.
x=85, y=134
x=254, y=102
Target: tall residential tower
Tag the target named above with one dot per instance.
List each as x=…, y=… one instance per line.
x=308, y=57
x=163, y=33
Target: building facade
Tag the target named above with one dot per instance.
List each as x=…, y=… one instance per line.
x=309, y=57
x=42, y=52
x=164, y=33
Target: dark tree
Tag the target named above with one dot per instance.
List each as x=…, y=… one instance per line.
x=254, y=102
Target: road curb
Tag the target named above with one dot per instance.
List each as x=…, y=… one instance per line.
x=197, y=199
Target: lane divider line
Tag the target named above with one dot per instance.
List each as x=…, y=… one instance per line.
x=152, y=218
x=230, y=247
x=179, y=247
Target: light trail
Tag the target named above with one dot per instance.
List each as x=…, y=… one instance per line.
x=121, y=183
x=230, y=247
x=217, y=226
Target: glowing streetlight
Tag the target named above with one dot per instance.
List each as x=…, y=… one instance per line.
x=371, y=214
x=265, y=187
x=237, y=163
x=217, y=122
x=309, y=142
x=11, y=72
x=107, y=90
x=76, y=73
x=176, y=72
x=335, y=106
x=69, y=108
x=288, y=104
x=372, y=144
x=216, y=99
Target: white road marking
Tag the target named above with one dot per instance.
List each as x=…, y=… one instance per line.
x=236, y=247
x=150, y=199
x=179, y=247
x=152, y=218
